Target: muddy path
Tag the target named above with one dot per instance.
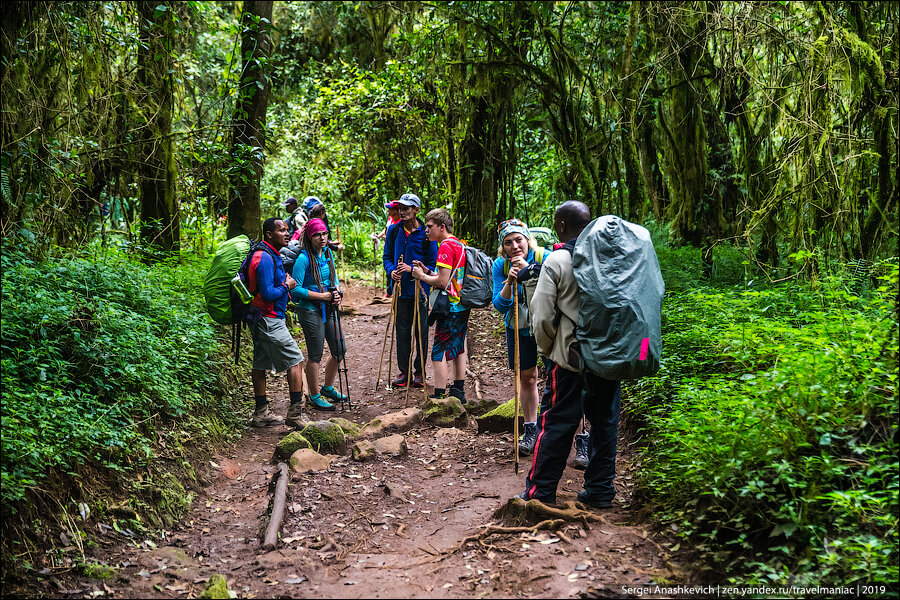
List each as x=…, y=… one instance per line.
x=391, y=527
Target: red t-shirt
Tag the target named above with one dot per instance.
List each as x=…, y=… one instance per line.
x=452, y=255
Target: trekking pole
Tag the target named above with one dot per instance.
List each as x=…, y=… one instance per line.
x=340, y=337
x=422, y=349
x=394, y=301
x=338, y=227
x=517, y=370
x=414, y=339
x=387, y=327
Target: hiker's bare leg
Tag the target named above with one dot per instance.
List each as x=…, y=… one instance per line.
x=331, y=367
x=294, y=378
x=529, y=393
x=259, y=382
x=312, y=377
x=459, y=366
x=440, y=373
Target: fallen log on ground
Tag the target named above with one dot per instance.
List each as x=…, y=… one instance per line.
x=278, y=503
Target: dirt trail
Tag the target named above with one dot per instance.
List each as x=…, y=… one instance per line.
x=385, y=528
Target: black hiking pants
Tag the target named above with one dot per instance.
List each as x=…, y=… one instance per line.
x=405, y=307
x=566, y=398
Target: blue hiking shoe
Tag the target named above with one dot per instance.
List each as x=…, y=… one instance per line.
x=332, y=394
x=319, y=403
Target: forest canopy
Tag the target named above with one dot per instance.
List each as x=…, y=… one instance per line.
x=769, y=125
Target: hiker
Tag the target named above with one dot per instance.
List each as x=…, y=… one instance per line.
x=318, y=299
x=393, y=209
x=408, y=239
x=315, y=209
x=450, y=330
x=273, y=346
x=295, y=218
x=517, y=251
x=554, y=313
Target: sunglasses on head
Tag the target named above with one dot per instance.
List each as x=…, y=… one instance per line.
x=510, y=222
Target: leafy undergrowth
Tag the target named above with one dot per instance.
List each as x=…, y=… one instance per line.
x=113, y=378
x=770, y=432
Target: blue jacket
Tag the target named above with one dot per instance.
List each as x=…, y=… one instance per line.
x=306, y=282
x=499, y=273
x=414, y=246
x=267, y=282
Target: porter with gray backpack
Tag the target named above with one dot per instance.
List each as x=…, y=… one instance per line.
x=619, y=332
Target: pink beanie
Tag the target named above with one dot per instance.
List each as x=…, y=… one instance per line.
x=313, y=227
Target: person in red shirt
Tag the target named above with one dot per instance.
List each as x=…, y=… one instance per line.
x=450, y=331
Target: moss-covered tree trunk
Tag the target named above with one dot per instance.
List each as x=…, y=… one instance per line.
x=486, y=154
x=681, y=120
x=160, y=224
x=248, y=141
x=629, y=101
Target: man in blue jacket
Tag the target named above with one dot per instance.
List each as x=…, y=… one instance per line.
x=274, y=347
x=408, y=239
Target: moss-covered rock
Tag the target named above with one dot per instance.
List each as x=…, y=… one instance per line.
x=350, y=429
x=445, y=412
x=500, y=420
x=290, y=444
x=99, y=571
x=216, y=589
x=325, y=437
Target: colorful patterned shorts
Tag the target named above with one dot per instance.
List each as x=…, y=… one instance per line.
x=450, y=336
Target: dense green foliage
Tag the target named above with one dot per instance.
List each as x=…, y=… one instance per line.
x=102, y=360
x=770, y=433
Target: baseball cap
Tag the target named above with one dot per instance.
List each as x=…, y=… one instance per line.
x=290, y=200
x=410, y=200
x=309, y=202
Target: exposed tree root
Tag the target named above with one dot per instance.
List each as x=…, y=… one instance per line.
x=517, y=511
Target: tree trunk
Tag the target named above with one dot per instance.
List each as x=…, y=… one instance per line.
x=248, y=137
x=628, y=102
x=160, y=225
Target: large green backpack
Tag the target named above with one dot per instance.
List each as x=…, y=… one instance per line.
x=217, y=285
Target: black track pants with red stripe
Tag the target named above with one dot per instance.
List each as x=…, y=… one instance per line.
x=566, y=398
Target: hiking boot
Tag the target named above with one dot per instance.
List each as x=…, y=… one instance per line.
x=332, y=394
x=417, y=381
x=528, y=439
x=400, y=381
x=582, y=455
x=295, y=416
x=593, y=501
x=318, y=402
x=263, y=417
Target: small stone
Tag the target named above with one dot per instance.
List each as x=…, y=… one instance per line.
x=363, y=450
x=399, y=421
x=392, y=445
x=305, y=460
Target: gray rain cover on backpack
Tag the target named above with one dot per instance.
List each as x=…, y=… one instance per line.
x=620, y=301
